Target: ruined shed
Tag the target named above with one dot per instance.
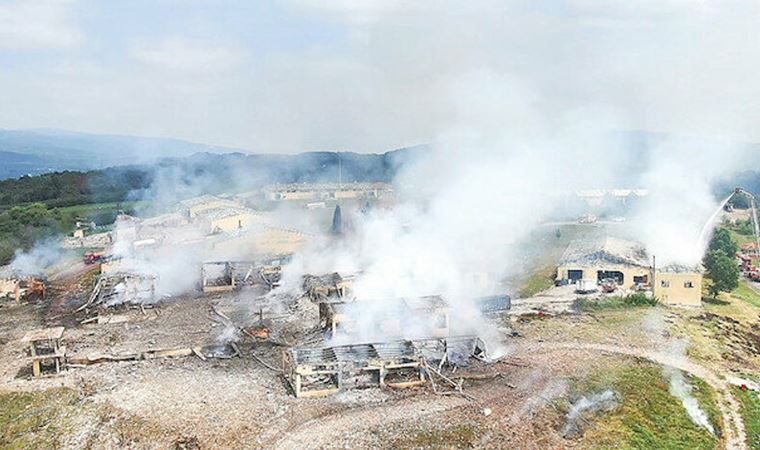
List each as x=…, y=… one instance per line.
x=316, y=372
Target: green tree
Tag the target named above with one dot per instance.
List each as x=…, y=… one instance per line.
x=723, y=271
x=721, y=240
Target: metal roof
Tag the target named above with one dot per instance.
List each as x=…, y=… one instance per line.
x=605, y=250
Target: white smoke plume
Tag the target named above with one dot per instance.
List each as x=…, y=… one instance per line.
x=33, y=262
x=601, y=401
x=654, y=324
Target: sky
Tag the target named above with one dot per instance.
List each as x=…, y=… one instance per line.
x=372, y=75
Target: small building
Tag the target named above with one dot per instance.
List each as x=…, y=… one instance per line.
x=328, y=288
x=226, y=276
x=677, y=285
x=608, y=258
x=45, y=350
x=317, y=372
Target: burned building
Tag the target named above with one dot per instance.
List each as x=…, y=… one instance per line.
x=122, y=287
x=607, y=258
x=402, y=317
x=628, y=265
x=22, y=288
x=316, y=372
x=331, y=287
x=225, y=276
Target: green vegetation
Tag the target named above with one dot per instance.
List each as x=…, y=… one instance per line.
x=636, y=300
x=750, y=410
x=74, y=188
x=32, y=419
x=722, y=271
x=722, y=241
x=453, y=436
x=648, y=416
x=22, y=226
x=746, y=294
x=539, y=280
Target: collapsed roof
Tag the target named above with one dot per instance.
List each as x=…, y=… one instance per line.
x=607, y=250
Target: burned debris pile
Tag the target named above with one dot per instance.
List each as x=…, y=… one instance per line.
x=23, y=288
x=226, y=276
x=117, y=288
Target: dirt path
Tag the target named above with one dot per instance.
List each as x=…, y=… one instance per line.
x=734, y=431
x=321, y=431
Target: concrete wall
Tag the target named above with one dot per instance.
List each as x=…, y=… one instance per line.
x=671, y=288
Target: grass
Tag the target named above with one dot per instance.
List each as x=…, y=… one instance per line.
x=50, y=418
x=457, y=436
x=636, y=300
x=740, y=239
x=100, y=213
x=746, y=294
x=32, y=419
x=539, y=280
x=648, y=415
x=750, y=410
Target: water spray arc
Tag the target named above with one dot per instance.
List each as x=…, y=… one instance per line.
x=710, y=224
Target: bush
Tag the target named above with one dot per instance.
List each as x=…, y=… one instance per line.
x=636, y=300
x=640, y=299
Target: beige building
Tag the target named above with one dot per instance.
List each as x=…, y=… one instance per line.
x=678, y=285
x=626, y=262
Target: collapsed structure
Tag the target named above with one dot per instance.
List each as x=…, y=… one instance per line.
x=22, y=288
x=122, y=287
x=627, y=265
x=225, y=276
x=315, y=372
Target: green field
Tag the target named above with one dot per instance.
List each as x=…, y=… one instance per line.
x=750, y=409
x=648, y=416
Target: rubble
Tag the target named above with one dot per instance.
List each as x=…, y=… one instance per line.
x=122, y=287
x=225, y=276
x=23, y=288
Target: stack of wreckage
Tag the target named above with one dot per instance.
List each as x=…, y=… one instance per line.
x=122, y=287
x=315, y=372
x=22, y=288
x=226, y=276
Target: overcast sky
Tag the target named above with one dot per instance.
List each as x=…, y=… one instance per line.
x=372, y=75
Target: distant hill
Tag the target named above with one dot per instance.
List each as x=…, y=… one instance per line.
x=171, y=179
x=38, y=151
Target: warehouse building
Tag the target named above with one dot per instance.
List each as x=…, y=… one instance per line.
x=628, y=265
x=607, y=258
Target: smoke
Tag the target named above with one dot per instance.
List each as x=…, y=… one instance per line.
x=681, y=176
x=601, y=401
x=654, y=324
x=33, y=262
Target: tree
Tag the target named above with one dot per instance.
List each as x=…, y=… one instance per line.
x=723, y=271
x=721, y=240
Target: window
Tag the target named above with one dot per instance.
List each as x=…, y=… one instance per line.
x=665, y=283
x=688, y=284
